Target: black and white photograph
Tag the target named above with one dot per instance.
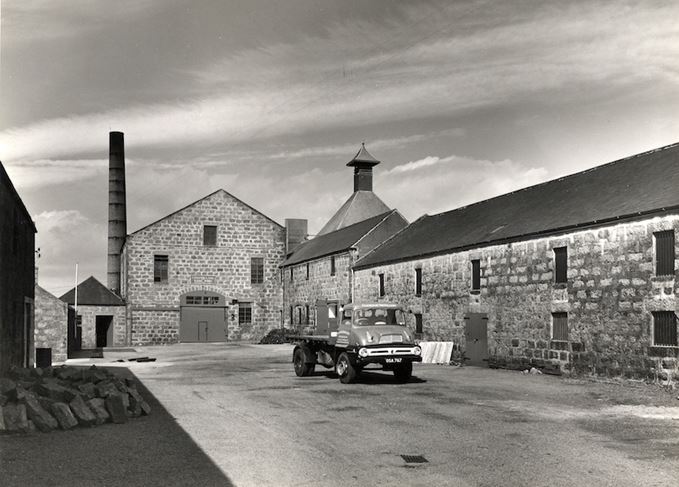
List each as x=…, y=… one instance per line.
x=339, y=243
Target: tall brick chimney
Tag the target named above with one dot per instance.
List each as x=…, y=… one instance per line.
x=117, y=213
x=363, y=164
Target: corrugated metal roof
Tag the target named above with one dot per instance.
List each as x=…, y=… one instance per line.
x=92, y=292
x=334, y=242
x=640, y=184
x=360, y=206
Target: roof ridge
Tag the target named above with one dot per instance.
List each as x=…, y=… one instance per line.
x=560, y=178
x=358, y=262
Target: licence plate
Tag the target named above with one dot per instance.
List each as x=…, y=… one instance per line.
x=393, y=360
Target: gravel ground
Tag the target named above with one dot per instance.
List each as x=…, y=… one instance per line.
x=240, y=410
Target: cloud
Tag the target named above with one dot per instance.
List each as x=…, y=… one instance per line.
x=47, y=172
x=431, y=69
x=435, y=184
x=67, y=237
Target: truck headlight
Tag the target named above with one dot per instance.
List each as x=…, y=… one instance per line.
x=417, y=350
x=363, y=352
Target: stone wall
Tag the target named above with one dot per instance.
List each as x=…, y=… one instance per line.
x=610, y=293
x=321, y=284
x=242, y=233
x=89, y=315
x=51, y=324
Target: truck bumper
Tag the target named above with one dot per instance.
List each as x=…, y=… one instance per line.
x=388, y=354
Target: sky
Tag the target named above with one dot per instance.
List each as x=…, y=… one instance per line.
x=269, y=100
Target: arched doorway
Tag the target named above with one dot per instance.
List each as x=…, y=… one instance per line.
x=204, y=316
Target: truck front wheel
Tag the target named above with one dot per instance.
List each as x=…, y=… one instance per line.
x=299, y=360
x=345, y=369
x=403, y=371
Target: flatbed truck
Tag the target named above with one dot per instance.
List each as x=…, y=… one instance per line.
x=365, y=334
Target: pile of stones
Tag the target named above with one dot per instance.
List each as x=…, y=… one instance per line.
x=65, y=397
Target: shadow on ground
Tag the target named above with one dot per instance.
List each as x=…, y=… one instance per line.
x=150, y=451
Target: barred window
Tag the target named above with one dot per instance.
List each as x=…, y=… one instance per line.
x=560, y=326
x=210, y=235
x=244, y=313
x=476, y=275
x=160, y=266
x=418, y=282
x=665, y=328
x=256, y=270
x=560, y=264
x=664, y=253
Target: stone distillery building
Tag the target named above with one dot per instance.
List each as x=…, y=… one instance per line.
x=317, y=275
x=578, y=272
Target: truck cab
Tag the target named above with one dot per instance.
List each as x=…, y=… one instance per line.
x=373, y=333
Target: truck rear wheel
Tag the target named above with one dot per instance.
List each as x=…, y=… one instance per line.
x=345, y=369
x=300, y=358
x=403, y=371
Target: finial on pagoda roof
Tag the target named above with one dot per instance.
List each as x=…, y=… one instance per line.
x=363, y=158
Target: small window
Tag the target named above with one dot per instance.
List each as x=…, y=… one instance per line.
x=256, y=270
x=292, y=274
x=307, y=271
x=160, y=264
x=382, y=285
x=332, y=311
x=418, y=323
x=560, y=326
x=299, y=315
x=476, y=275
x=306, y=312
x=665, y=328
x=418, y=282
x=210, y=235
x=664, y=253
x=332, y=265
x=244, y=313
x=292, y=315
x=560, y=264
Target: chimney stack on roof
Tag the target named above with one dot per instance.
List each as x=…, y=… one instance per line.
x=363, y=164
x=117, y=213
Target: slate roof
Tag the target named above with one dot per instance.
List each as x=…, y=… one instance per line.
x=334, y=242
x=642, y=184
x=360, y=206
x=92, y=292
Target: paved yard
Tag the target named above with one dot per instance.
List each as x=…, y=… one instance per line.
x=242, y=411
x=262, y=425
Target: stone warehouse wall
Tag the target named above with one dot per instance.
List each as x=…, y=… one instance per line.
x=242, y=233
x=610, y=293
x=51, y=324
x=301, y=291
x=89, y=315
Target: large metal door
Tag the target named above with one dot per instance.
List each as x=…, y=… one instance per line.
x=476, y=338
x=202, y=324
x=203, y=317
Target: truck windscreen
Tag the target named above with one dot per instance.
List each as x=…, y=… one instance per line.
x=379, y=316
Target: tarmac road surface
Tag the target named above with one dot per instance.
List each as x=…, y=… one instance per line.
x=261, y=425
